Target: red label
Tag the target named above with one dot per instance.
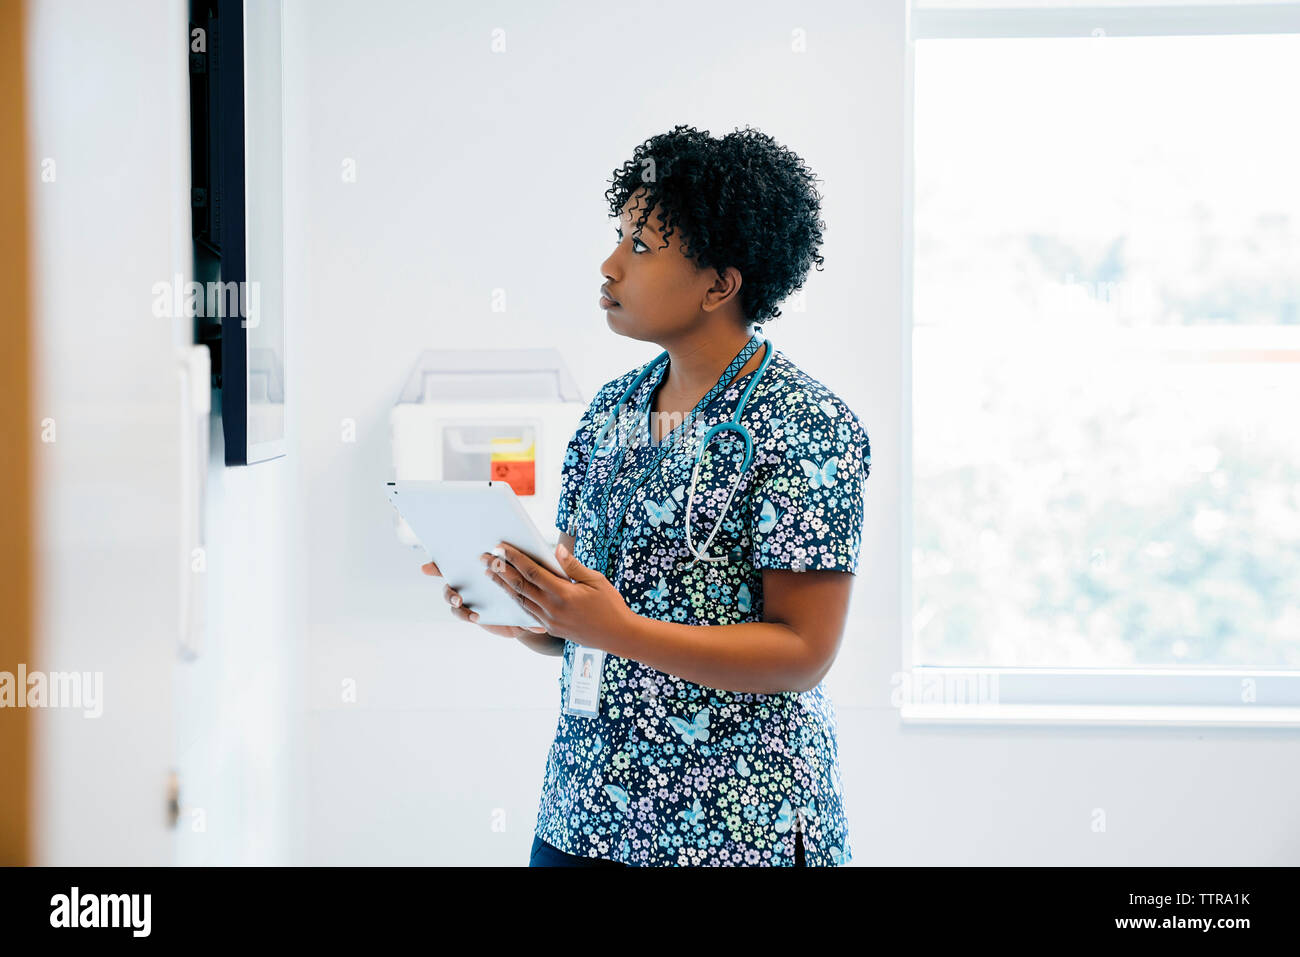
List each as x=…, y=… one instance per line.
x=520, y=475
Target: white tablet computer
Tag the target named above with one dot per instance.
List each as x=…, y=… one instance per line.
x=458, y=521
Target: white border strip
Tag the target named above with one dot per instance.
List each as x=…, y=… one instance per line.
x=1128, y=715
x=1130, y=21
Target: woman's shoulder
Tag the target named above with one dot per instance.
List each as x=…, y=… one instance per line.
x=800, y=398
x=803, y=418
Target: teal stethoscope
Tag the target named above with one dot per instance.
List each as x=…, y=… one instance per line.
x=606, y=531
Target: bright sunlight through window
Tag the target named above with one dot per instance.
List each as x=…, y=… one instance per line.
x=1106, y=352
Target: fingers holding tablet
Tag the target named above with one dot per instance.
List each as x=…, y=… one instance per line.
x=450, y=596
x=495, y=567
x=454, y=521
x=458, y=608
x=464, y=613
x=448, y=593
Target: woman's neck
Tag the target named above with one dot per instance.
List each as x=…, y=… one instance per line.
x=696, y=362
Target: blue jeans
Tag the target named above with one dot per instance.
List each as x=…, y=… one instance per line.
x=544, y=855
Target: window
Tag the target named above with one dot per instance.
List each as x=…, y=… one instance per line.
x=1105, y=354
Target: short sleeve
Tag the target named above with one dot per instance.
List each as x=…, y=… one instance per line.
x=807, y=509
x=576, y=456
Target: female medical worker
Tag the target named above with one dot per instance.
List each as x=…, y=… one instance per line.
x=710, y=582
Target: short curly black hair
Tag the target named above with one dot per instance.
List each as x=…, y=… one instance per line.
x=742, y=200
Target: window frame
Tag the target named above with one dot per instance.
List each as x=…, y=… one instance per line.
x=1214, y=697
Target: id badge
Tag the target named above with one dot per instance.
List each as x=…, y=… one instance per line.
x=584, y=682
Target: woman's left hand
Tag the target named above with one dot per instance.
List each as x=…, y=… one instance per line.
x=586, y=610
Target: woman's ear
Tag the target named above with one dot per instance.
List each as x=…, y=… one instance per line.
x=724, y=289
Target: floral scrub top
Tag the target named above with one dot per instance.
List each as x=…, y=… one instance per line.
x=671, y=772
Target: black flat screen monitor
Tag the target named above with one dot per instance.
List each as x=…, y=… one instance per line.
x=237, y=199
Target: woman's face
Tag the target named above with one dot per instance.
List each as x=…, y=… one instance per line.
x=659, y=290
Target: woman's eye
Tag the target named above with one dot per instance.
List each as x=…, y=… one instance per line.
x=635, y=242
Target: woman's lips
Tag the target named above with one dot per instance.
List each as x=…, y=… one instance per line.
x=607, y=303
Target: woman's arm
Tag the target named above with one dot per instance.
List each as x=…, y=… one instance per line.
x=546, y=644
x=791, y=649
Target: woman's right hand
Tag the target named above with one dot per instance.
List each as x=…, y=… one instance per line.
x=464, y=613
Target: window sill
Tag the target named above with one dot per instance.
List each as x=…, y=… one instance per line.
x=1237, y=716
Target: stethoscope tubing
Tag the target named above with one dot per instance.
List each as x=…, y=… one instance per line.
x=732, y=424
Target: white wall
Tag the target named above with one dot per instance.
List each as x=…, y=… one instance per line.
x=239, y=706
x=108, y=94
x=477, y=171
x=104, y=182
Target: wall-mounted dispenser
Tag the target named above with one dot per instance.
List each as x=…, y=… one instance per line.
x=500, y=414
